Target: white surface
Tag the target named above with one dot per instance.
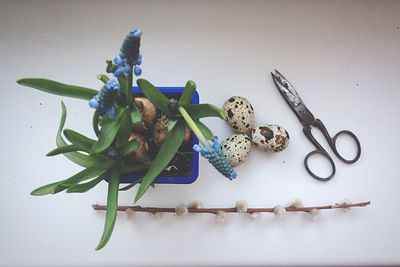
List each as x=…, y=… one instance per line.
x=344, y=58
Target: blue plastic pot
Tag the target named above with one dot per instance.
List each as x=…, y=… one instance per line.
x=133, y=177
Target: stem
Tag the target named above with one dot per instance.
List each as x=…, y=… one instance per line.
x=130, y=80
x=95, y=122
x=103, y=78
x=233, y=210
x=193, y=126
x=111, y=67
x=130, y=83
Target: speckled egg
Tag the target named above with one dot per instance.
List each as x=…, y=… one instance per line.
x=270, y=138
x=240, y=114
x=236, y=148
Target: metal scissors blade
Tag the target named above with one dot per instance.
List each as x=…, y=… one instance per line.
x=307, y=120
x=292, y=98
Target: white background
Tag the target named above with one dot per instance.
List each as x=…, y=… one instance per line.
x=344, y=58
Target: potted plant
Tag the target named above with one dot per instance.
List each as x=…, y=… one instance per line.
x=141, y=133
x=185, y=167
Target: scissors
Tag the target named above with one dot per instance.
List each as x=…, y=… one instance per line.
x=307, y=120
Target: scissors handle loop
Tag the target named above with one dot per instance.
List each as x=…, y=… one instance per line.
x=325, y=155
x=332, y=141
x=354, y=137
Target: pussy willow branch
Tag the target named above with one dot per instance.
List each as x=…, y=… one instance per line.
x=231, y=210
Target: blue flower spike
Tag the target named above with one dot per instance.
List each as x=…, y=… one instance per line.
x=129, y=57
x=137, y=33
x=216, y=157
x=210, y=150
x=105, y=99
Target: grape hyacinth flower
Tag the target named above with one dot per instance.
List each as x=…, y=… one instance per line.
x=129, y=57
x=105, y=99
x=209, y=150
x=216, y=157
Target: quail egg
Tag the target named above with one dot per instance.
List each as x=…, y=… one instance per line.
x=270, y=138
x=236, y=148
x=240, y=114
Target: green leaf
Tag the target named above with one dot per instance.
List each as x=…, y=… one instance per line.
x=81, y=188
x=129, y=186
x=83, y=142
x=81, y=176
x=107, y=119
x=76, y=157
x=198, y=111
x=95, y=122
x=154, y=95
x=187, y=95
x=125, y=128
x=84, y=175
x=208, y=134
x=171, y=124
x=62, y=150
x=136, y=116
x=123, y=82
x=57, y=88
x=46, y=189
x=128, y=148
x=167, y=151
x=108, y=132
x=111, y=212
